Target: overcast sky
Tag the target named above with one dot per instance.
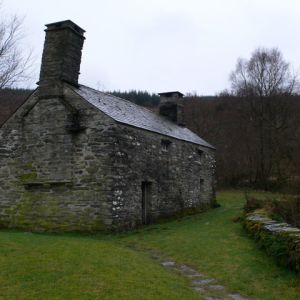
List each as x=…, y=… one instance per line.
x=165, y=45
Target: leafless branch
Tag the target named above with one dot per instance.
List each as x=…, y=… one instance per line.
x=15, y=63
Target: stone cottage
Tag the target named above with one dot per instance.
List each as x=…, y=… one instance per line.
x=74, y=158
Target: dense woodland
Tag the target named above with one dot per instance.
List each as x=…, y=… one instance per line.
x=226, y=122
x=10, y=100
x=139, y=97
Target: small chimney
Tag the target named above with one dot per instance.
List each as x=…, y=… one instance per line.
x=171, y=107
x=61, y=57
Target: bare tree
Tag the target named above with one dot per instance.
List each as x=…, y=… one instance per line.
x=265, y=81
x=15, y=64
x=265, y=74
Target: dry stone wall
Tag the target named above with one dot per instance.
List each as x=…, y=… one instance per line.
x=279, y=239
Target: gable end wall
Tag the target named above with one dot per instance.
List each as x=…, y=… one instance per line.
x=54, y=174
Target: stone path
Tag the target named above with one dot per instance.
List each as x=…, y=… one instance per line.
x=207, y=287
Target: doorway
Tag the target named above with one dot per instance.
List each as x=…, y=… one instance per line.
x=146, y=196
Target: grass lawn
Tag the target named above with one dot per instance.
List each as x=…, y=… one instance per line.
x=42, y=266
x=214, y=244
x=36, y=266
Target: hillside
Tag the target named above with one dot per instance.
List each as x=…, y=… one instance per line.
x=10, y=100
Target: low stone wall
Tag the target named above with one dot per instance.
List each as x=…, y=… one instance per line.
x=279, y=239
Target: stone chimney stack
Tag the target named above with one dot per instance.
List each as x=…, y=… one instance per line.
x=61, y=57
x=171, y=107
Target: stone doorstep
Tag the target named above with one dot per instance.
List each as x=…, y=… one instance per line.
x=198, y=289
x=216, y=287
x=237, y=297
x=188, y=271
x=202, y=281
x=195, y=275
x=168, y=263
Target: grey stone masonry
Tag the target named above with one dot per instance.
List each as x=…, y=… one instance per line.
x=55, y=175
x=180, y=175
x=171, y=106
x=61, y=57
x=278, y=238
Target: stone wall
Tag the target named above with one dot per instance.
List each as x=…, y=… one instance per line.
x=55, y=174
x=280, y=240
x=180, y=175
x=64, y=165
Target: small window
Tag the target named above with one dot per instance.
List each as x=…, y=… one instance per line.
x=201, y=184
x=200, y=152
x=165, y=144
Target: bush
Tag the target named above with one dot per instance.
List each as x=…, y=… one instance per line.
x=253, y=203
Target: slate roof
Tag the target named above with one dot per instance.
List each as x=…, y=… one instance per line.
x=128, y=113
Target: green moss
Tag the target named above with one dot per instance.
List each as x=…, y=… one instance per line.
x=28, y=165
x=43, y=212
x=28, y=177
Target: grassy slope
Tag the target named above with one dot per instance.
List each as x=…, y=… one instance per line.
x=35, y=266
x=215, y=245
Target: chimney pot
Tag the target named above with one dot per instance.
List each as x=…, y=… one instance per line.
x=171, y=106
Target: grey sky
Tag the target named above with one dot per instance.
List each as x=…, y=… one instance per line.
x=163, y=45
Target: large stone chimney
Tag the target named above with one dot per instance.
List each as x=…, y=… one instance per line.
x=61, y=57
x=171, y=107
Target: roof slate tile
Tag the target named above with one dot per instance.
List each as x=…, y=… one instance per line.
x=128, y=113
